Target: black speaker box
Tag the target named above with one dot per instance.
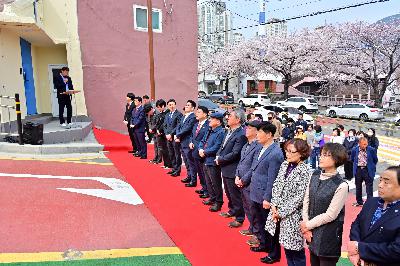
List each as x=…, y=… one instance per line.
x=33, y=133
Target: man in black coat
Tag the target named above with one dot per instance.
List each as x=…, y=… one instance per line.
x=171, y=123
x=161, y=140
x=63, y=84
x=375, y=234
x=130, y=106
x=228, y=158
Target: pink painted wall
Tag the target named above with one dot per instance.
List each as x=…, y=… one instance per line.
x=115, y=56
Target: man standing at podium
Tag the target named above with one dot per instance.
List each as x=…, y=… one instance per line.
x=63, y=84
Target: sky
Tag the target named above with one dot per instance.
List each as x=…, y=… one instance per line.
x=289, y=8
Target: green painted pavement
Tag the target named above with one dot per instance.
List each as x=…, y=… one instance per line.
x=173, y=260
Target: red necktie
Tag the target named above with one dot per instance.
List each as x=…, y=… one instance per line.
x=198, y=129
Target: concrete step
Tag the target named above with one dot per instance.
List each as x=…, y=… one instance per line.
x=87, y=145
x=53, y=133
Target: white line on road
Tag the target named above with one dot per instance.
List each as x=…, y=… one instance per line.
x=120, y=190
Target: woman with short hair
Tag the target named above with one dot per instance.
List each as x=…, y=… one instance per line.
x=288, y=191
x=323, y=207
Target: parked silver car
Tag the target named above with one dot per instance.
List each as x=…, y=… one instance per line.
x=355, y=110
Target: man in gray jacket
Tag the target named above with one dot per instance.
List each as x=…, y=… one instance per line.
x=261, y=178
x=246, y=160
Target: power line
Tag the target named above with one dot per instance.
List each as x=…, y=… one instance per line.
x=287, y=7
x=301, y=16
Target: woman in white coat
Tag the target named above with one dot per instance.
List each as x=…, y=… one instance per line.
x=286, y=205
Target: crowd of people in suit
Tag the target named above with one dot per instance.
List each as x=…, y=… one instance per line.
x=280, y=174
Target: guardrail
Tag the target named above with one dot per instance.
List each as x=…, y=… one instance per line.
x=17, y=109
x=343, y=99
x=388, y=128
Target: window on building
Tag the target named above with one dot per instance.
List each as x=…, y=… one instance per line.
x=140, y=18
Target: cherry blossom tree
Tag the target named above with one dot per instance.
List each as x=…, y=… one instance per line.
x=360, y=52
x=233, y=61
x=288, y=56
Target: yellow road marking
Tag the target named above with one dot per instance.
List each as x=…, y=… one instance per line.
x=389, y=142
x=53, y=160
x=387, y=155
x=87, y=255
x=389, y=152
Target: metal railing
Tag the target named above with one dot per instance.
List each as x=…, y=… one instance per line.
x=335, y=100
x=17, y=109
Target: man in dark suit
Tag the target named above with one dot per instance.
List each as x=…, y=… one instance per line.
x=198, y=132
x=208, y=148
x=301, y=122
x=246, y=159
x=63, y=84
x=364, y=159
x=138, y=123
x=183, y=132
x=375, y=234
x=160, y=134
x=228, y=158
x=151, y=115
x=264, y=170
x=171, y=122
x=130, y=105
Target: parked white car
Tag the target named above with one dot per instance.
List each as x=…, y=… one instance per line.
x=397, y=120
x=304, y=104
x=355, y=110
x=292, y=113
x=255, y=100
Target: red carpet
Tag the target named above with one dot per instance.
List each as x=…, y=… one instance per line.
x=203, y=237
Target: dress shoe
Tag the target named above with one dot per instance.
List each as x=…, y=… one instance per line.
x=191, y=185
x=131, y=152
x=269, y=260
x=235, y=224
x=258, y=249
x=215, y=208
x=356, y=204
x=186, y=180
x=253, y=241
x=175, y=174
x=170, y=172
x=246, y=232
x=199, y=191
x=143, y=157
x=204, y=196
x=226, y=215
x=137, y=155
x=208, y=202
x=157, y=162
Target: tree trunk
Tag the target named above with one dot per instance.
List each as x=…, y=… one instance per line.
x=379, y=94
x=226, y=84
x=286, y=82
x=286, y=90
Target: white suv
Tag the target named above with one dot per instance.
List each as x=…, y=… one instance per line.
x=255, y=100
x=355, y=110
x=304, y=104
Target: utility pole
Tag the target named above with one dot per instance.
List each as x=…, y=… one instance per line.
x=151, y=49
